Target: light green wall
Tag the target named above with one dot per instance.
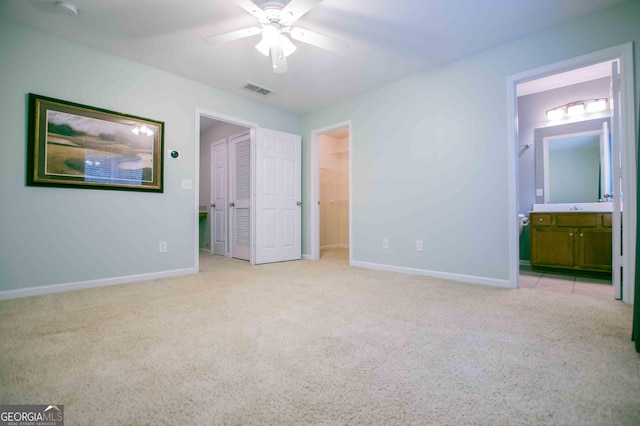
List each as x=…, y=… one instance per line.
x=430, y=152
x=429, y=159
x=58, y=235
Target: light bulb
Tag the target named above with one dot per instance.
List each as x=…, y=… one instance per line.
x=575, y=109
x=597, y=105
x=555, y=114
x=264, y=46
x=271, y=33
x=287, y=47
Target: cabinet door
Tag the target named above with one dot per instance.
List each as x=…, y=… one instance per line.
x=552, y=246
x=595, y=249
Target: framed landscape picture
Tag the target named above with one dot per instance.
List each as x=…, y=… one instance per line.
x=73, y=145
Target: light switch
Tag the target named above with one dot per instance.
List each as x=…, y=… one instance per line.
x=539, y=192
x=186, y=184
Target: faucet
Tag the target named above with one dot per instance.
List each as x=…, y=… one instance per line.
x=575, y=208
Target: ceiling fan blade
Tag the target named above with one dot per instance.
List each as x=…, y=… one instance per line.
x=252, y=8
x=319, y=40
x=297, y=8
x=233, y=35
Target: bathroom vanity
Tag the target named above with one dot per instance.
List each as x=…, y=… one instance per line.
x=573, y=240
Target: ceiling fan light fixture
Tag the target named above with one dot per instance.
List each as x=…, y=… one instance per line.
x=264, y=46
x=287, y=46
x=271, y=33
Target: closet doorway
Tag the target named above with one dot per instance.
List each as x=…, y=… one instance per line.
x=225, y=183
x=332, y=206
x=249, y=190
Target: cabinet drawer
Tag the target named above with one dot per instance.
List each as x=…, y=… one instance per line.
x=577, y=220
x=540, y=219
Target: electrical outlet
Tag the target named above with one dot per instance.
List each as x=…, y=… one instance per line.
x=419, y=246
x=162, y=247
x=385, y=243
x=539, y=192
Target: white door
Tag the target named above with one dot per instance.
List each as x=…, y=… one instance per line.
x=616, y=181
x=240, y=195
x=218, y=221
x=278, y=197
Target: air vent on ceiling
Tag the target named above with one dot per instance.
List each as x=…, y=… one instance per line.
x=252, y=87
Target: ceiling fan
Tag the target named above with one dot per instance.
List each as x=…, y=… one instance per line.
x=276, y=18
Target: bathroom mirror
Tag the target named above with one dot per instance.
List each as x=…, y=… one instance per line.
x=573, y=162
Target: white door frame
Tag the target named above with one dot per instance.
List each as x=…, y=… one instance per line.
x=624, y=53
x=315, y=188
x=200, y=112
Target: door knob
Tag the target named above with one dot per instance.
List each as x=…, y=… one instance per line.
x=299, y=203
x=232, y=204
x=213, y=205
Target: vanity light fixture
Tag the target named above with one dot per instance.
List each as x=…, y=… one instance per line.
x=555, y=113
x=577, y=108
x=597, y=105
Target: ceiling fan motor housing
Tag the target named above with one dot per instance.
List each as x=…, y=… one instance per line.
x=273, y=4
x=272, y=10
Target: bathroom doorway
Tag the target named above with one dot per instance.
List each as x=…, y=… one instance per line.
x=562, y=98
x=331, y=194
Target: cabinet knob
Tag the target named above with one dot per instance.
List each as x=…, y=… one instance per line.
x=582, y=235
x=541, y=219
x=571, y=234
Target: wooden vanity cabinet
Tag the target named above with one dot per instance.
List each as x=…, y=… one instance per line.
x=572, y=240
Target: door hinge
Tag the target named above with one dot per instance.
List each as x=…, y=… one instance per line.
x=619, y=261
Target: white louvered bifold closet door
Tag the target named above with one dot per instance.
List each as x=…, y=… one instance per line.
x=240, y=200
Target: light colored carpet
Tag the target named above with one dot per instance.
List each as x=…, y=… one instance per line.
x=319, y=343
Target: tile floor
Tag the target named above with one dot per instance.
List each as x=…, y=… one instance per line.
x=586, y=286
x=594, y=287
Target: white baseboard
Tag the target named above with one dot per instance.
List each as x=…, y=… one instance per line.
x=494, y=282
x=307, y=257
x=59, y=288
x=525, y=262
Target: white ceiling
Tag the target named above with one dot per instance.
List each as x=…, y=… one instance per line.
x=388, y=39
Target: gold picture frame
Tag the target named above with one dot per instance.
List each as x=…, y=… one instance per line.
x=78, y=146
